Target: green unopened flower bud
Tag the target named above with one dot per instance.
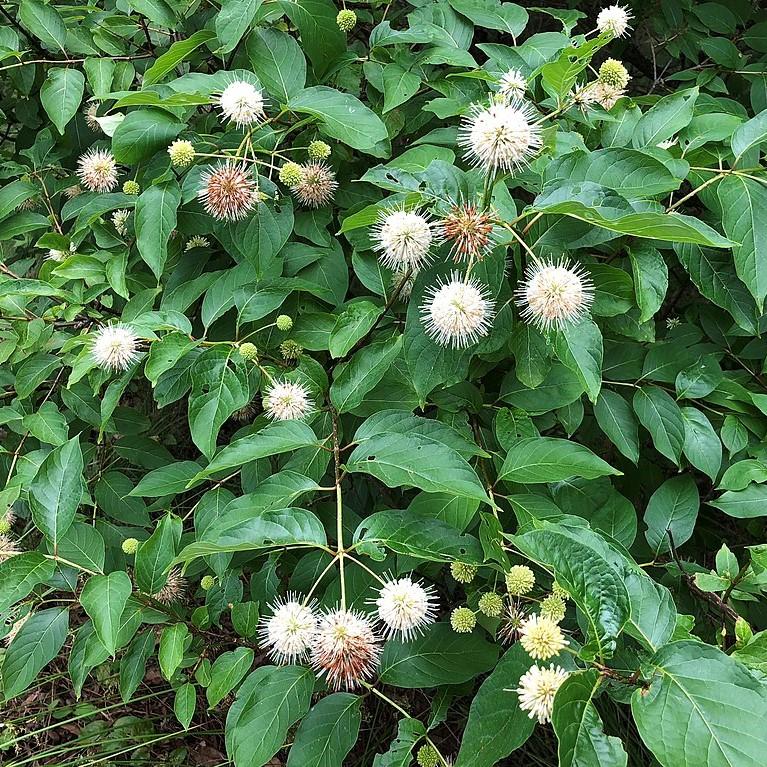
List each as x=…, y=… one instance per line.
x=284, y=323
x=130, y=546
x=207, y=582
x=5, y=526
x=614, y=74
x=346, y=20
x=290, y=350
x=553, y=607
x=181, y=153
x=491, y=604
x=248, y=351
x=131, y=187
x=291, y=173
x=462, y=572
x=520, y=580
x=558, y=591
x=427, y=756
x=463, y=620
x=318, y=150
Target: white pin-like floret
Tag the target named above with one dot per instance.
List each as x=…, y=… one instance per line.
x=541, y=637
x=500, y=137
x=286, y=401
x=614, y=19
x=457, y=313
x=537, y=688
x=289, y=631
x=345, y=648
x=229, y=191
x=405, y=607
x=115, y=347
x=242, y=103
x=554, y=294
x=403, y=239
x=97, y=170
x=513, y=85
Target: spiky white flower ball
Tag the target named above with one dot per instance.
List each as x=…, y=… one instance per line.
x=554, y=294
x=513, y=85
x=229, y=191
x=196, y=241
x=537, y=688
x=502, y=136
x=668, y=143
x=541, y=637
x=457, y=313
x=115, y=347
x=288, y=633
x=242, y=103
x=405, y=606
x=286, y=401
x=403, y=239
x=614, y=19
x=345, y=648
x=120, y=221
x=97, y=170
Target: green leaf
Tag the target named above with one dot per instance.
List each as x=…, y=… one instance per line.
x=227, y=672
x=616, y=419
x=185, y=703
x=20, y=574
x=454, y=511
x=245, y=618
x=653, y=613
x=496, y=725
x=661, y=416
x=84, y=545
x=701, y=443
x=341, y=116
x=166, y=63
x=167, y=480
x=413, y=535
x=327, y=733
x=47, y=424
x=672, y=507
x=582, y=740
x=278, y=62
x=493, y=14
x=104, y=598
x=650, y=279
x=270, y=701
x=155, y=555
x=44, y=22
x=61, y=94
x=143, y=133
x=352, y=324
x=750, y=133
x=399, y=85
x=155, y=219
x=38, y=642
x=400, y=753
x=55, y=492
x=133, y=664
x=665, y=119
x=743, y=504
x=753, y=654
x=171, y=652
x=702, y=707
x=157, y=11
x=579, y=347
x=11, y=197
x=439, y=656
x=321, y=38
x=549, y=459
x=233, y=21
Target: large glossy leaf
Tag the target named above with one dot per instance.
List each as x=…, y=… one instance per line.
x=155, y=220
x=672, y=507
x=579, y=347
x=104, y=597
x=227, y=672
x=616, y=419
x=666, y=118
x=20, y=574
x=61, y=94
x=661, y=416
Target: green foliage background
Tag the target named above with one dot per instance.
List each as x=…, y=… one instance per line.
x=623, y=456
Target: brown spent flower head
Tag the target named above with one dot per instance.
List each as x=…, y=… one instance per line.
x=317, y=185
x=174, y=589
x=8, y=548
x=469, y=230
x=73, y=191
x=345, y=648
x=229, y=191
x=513, y=616
x=90, y=113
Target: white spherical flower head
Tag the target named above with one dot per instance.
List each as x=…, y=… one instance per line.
x=97, y=170
x=541, y=637
x=405, y=606
x=513, y=85
x=403, y=239
x=537, y=688
x=287, y=401
x=614, y=19
x=115, y=347
x=553, y=295
x=503, y=136
x=242, y=103
x=457, y=313
x=345, y=648
x=289, y=632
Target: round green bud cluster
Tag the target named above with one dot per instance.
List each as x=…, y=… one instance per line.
x=463, y=620
x=462, y=572
x=131, y=187
x=181, y=153
x=558, y=591
x=427, y=756
x=491, y=604
x=614, y=74
x=346, y=20
x=5, y=526
x=248, y=351
x=284, y=323
x=553, y=607
x=520, y=580
x=130, y=546
x=318, y=150
x=290, y=350
x=207, y=582
x=291, y=173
